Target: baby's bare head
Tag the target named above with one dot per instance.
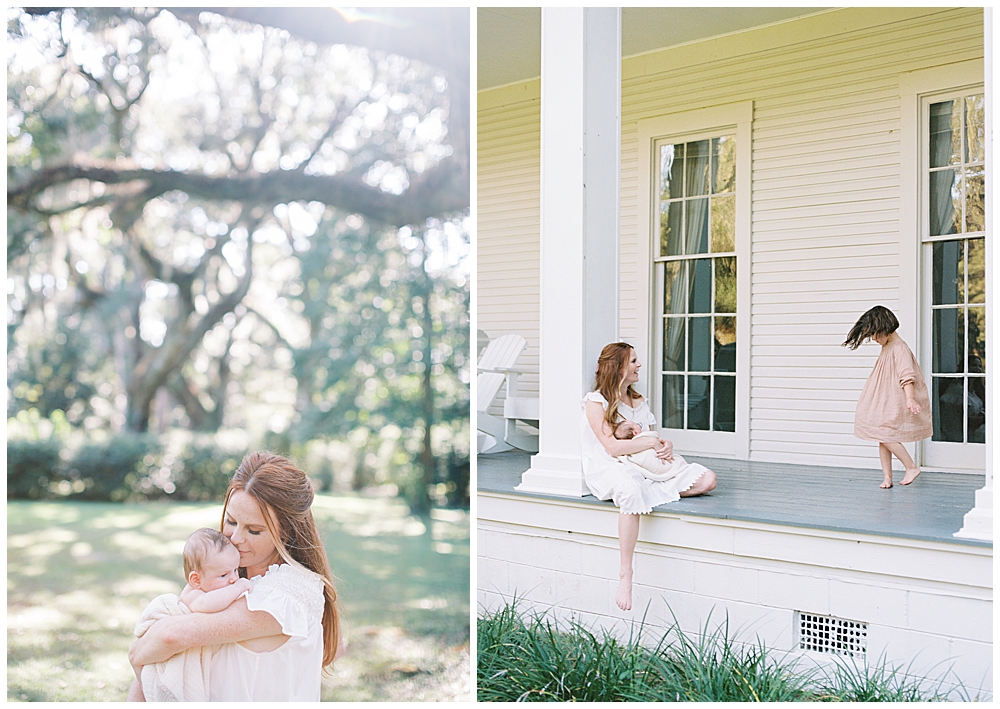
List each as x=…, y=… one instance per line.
x=626, y=430
x=210, y=560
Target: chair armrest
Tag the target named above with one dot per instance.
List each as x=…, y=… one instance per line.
x=503, y=370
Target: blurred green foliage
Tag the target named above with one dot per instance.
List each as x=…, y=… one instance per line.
x=308, y=326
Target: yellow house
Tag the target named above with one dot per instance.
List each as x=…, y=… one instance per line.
x=728, y=190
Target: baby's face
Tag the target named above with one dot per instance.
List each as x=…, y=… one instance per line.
x=220, y=569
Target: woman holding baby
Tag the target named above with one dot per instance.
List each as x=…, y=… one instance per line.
x=614, y=413
x=273, y=643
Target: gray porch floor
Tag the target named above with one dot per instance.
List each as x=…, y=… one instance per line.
x=842, y=499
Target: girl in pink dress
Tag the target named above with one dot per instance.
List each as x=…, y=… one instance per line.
x=894, y=407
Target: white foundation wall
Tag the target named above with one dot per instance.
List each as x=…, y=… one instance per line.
x=507, y=237
x=928, y=605
x=826, y=168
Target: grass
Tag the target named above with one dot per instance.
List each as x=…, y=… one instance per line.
x=79, y=574
x=525, y=657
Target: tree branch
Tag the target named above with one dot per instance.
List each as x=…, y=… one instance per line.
x=438, y=191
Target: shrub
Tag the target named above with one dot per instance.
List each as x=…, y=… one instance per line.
x=107, y=471
x=31, y=466
x=205, y=471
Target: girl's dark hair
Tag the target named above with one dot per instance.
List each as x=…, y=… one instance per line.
x=877, y=321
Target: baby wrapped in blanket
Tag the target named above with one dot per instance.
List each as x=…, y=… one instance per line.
x=653, y=468
x=211, y=565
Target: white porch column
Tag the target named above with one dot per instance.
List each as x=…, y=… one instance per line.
x=580, y=166
x=979, y=520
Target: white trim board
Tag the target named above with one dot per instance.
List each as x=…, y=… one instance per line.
x=688, y=125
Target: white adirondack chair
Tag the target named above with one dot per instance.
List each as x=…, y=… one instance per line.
x=495, y=368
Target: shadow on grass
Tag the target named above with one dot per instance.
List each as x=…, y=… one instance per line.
x=79, y=575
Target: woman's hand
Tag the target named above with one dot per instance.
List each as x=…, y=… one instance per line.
x=173, y=634
x=664, y=450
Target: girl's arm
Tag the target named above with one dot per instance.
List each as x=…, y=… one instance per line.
x=614, y=447
x=911, y=403
x=174, y=634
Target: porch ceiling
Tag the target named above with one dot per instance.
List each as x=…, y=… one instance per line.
x=509, y=38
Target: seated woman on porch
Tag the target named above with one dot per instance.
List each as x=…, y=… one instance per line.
x=610, y=475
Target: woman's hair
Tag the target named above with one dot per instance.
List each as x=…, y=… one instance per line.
x=612, y=366
x=285, y=497
x=876, y=321
x=199, y=546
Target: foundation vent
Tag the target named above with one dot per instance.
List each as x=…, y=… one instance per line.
x=826, y=633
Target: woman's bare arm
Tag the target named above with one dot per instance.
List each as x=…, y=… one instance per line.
x=173, y=634
x=615, y=447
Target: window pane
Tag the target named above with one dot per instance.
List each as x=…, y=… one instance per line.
x=671, y=171
x=671, y=220
x=949, y=341
x=697, y=226
x=673, y=287
x=725, y=403
x=700, y=286
x=673, y=401
x=945, y=133
x=725, y=344
x=724, y=224
x=725, y=284
x=948, y=266
x=975, y=129
x=977, y=270
x=673, y=345
x=976, y=410
x=696, y=172
x=699, y=344
x=946, y=202
x=946, y=400
x=724, y=164
x=698, y=402
x=975, y=199
x=977, y=341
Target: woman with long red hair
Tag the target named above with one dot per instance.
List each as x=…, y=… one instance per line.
x=273, y=643
x=610, y=475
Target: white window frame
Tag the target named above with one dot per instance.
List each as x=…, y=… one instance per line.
x=735, y=118
x=918, y=90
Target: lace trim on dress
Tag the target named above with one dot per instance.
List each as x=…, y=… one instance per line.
x=293, y=596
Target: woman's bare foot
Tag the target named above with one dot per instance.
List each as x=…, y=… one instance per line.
x=911, y=475
x=886, y=483
x=624, y=596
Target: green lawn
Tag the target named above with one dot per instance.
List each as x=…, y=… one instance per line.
x=79, y=575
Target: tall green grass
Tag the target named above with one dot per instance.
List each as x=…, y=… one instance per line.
x=526, y=657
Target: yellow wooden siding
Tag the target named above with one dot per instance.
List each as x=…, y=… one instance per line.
x=507, y=223
x=825, y=205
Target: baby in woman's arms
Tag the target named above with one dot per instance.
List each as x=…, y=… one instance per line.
x=653, y=468
x=211, y=567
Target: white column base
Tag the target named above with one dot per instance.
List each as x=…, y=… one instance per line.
x=979, y=520
x=554, y=475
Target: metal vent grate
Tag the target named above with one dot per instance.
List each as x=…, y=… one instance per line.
x=825, y=633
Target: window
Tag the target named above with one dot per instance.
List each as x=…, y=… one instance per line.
x=695, y=261
x=955, y=242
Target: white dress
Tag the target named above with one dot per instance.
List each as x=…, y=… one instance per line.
x=620, y=479
x=290, y=673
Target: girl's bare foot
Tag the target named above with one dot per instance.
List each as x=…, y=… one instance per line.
x=886, y=484
x=911, y=475
x=624, y=596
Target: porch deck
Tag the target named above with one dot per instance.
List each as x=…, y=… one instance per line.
x=841, y=499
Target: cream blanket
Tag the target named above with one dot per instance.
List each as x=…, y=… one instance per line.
x=182, y=678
